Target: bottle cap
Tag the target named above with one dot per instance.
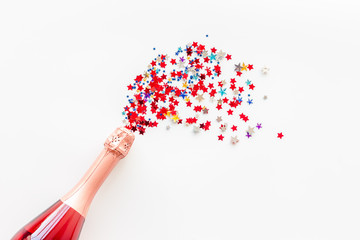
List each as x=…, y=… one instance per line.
x=120, y=141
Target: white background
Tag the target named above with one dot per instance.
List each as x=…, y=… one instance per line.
x=64, y=67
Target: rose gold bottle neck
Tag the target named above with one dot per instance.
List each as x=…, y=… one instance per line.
x=82, y=194
x=117, y=146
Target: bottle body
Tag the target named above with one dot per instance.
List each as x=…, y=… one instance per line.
x=64, y=219
x=59, y=221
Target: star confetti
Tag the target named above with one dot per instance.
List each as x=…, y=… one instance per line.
x=234, y=140
x=220, y=137
x=280, y=135
x=188, y=88
x=265, y=70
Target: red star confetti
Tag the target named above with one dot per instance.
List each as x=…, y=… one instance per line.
x=220, y=137
x=185, y=88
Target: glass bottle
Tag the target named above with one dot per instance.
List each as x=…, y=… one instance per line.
x=65, y=218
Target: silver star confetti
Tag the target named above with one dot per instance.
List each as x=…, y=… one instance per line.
x=238, y=67
x=223, y=127
x=200, y=97
x=250, y=130
x=205, y=54
x=192, y=70
x=181, y=64
x=220, y=55
x=265, y=70
x=234, y=140
x=196, y=129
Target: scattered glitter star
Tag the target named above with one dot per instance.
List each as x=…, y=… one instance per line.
x=192, y=79
x=222, y=91
x=234, y=140
x=200, y=97
x=265, y=70
x=280, y=135
x=238, y=67
x=196, y=129
x=220, y=55
x=250, y=130
x=223, y=127
x=244, y=67
x=175, y=118
x=234, y=128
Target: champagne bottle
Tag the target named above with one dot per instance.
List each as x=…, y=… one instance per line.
x=65, y=218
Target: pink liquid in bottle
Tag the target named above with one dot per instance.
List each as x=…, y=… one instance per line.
x=59, y=222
